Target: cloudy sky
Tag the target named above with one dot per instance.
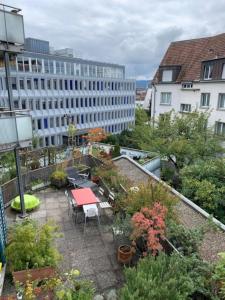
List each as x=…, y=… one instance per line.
x=131, y=32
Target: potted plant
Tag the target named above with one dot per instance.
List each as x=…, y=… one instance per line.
x=149, y=228
x=59, y=178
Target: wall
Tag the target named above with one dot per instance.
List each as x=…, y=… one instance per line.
x=193, y=97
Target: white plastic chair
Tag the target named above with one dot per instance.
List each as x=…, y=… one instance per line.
x=90, y=211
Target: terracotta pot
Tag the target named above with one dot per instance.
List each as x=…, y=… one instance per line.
x=95, y=179
x=124, y=254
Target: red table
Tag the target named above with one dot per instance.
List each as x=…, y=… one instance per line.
x=84, y=196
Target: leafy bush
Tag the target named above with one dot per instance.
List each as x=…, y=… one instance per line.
x=185, y=240
x=58, y=178
x=167, y=277
x=203, y=183
x=146, y=197
x=116, y=151
x=150, y=224
x=219, y=276
x=31, y=246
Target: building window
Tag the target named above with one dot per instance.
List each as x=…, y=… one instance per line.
x=187, y=85
x=185, y=107
x=208, y=72
x=21, y=84
x=165, y=98
x=205, y=98
x=220, y=128
x=223, y=72
x=221, y=101
x=167, y=75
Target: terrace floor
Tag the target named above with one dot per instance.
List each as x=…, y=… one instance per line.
x=93, y=253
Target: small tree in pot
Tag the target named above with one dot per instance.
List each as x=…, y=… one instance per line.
x=58, y=178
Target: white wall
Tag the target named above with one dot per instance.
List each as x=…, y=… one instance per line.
x=192, y=96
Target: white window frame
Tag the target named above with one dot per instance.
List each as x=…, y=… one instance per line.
x=185, y=107
x=208, y=72
x=167, y=75
x=205, y=97
x=187, y=85
x=221, y=99
x=165, y=98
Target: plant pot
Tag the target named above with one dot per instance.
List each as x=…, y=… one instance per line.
x=124, y=254
x=95, y=179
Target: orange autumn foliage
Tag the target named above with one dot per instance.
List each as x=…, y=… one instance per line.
x=96, y=135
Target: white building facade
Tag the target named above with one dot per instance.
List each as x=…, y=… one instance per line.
x=190, y=77
x=59, y=89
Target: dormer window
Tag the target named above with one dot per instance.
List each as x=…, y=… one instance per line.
x=167, y=75
x=207, y=72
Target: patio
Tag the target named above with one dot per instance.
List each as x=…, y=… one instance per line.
x=94, y=253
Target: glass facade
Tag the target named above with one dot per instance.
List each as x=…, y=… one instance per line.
x=59, y=90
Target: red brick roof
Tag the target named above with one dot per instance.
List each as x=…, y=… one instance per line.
x=190, y=53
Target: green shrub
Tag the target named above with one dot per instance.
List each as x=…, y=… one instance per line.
x=185, y=240
x=167, y=277
x=31, y=246
x=58, y=178
x=146, y=197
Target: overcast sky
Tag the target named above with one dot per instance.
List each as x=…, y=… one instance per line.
x=131, y=32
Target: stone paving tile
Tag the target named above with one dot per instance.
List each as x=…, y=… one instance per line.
x=101, y=264
x=106, y=279
x=96, y=251
x=54, y=212
x=114, y=263
x=52, y=206
x=84, y=266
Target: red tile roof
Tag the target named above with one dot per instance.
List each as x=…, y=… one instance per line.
x=190, y=53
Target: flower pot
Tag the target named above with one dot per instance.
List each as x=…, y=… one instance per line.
x=124, y=254
x=95, y=179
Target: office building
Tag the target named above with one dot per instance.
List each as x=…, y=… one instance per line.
x=58, y=89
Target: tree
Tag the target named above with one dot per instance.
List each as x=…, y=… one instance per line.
x=141, y=116
x=181, y=138
x=203, y=183
x=116, y=151
x=96, y=135
x=72, y=134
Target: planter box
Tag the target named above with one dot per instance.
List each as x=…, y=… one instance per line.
x=34, y=274
x=40, y=186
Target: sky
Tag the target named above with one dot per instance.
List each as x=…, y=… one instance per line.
x=135, y=33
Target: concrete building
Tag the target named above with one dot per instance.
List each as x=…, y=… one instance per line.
x=191, y=77
x=59, y=89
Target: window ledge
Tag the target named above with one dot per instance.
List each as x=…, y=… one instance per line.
x=204, y=107
x=221, y=108
x=165, y=104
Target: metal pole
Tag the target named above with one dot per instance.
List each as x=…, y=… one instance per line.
x=16, y=150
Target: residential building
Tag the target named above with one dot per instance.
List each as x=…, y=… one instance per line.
x=58, y=89
x=191, y=76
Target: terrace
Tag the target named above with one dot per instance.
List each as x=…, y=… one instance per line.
x=94, y=253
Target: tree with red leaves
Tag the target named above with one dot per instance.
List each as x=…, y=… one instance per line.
x=150, y=224
x=95, y=135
